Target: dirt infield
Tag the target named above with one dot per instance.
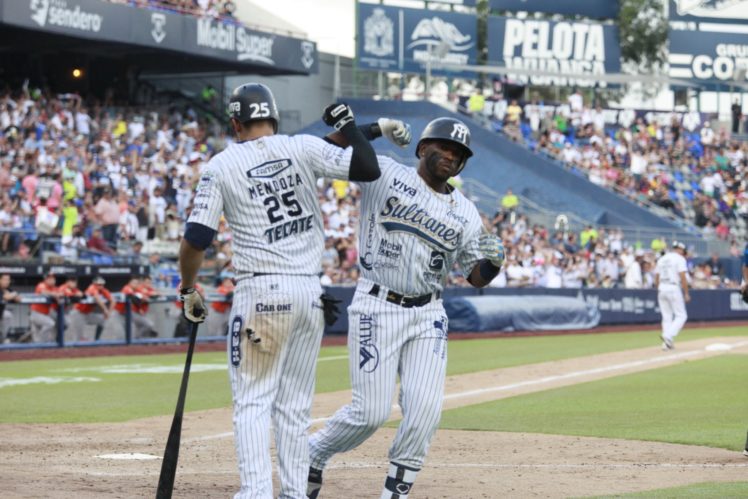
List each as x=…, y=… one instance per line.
x=60, y=461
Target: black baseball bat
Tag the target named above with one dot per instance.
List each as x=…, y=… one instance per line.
x=171, y=453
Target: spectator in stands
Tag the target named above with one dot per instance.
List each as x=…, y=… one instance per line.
x=7, y=295
x=98, y=244
x=737, y=113
x=43, y=325
x=707, y=135
x=108, y=215
x=509, y=202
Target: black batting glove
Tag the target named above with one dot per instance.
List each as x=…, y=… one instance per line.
x=337, y=115
x=330, y=308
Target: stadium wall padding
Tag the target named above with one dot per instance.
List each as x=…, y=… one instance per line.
x=536, y=309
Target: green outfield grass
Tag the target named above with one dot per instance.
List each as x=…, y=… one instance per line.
x=700, y=403
x=146, y=390
x=708, y=489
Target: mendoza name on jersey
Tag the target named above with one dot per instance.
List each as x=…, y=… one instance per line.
x=267, y=183
x=400, y=217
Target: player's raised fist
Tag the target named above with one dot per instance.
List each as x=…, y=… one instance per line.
x=492, y=248
x=337, y=115
x=395, y=131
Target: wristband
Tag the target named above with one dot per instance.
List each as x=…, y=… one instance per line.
x=186, y=291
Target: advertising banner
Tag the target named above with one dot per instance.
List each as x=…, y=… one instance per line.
x=208, y=37
x=708, y=56
x=601, y=9
x=709, y=11
x=560, y=48
x=404, y=40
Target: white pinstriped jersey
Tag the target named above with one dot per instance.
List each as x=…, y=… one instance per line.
x=411, y=235
x=266, y=188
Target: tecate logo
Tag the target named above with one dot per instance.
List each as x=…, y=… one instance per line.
x=57, y=13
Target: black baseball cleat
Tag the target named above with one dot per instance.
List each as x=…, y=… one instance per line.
x=314, y=483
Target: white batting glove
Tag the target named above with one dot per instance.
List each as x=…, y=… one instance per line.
x=395, y=131
x=492, y=248
x=194, y=308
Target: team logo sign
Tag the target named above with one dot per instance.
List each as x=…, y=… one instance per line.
x=158, y=20
x=435, y=31
x=39, y=10
x=379, y=34
x=307, y=54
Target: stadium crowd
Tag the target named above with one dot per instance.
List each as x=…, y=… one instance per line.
x=103, y=183
x=688, y=168
x=223, y=9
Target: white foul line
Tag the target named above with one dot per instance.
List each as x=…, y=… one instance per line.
x=539, y=381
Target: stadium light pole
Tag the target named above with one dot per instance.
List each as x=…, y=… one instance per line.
x=441, y=50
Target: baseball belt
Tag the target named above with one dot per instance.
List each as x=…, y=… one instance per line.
x=402, y=300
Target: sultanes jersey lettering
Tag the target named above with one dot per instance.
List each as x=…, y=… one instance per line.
x=266, y=189
x=411, y=236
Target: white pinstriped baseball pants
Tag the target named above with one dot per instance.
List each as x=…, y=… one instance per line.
x=274, y=379
x=386, y=340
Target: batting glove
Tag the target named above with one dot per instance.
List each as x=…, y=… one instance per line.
x=337, y=115
x=492, y=248
x=395, y=131
x=194, y=309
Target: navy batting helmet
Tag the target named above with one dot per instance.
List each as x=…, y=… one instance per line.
x=448, y=129
x=253, y=102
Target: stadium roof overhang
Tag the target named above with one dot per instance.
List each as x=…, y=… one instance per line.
x=151, y=40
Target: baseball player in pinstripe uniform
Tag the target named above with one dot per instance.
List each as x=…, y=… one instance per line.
x=414, y=227
x=265, y=186
x=671, y=281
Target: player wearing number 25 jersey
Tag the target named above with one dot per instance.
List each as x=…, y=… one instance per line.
x=265, y=187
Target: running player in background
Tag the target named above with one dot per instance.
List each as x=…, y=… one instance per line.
x=414, y=227
x=266, y=187
x=671, y=281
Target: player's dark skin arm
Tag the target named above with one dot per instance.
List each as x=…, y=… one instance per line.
x=190, y=261
x=482, y=274
x=364, y=164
